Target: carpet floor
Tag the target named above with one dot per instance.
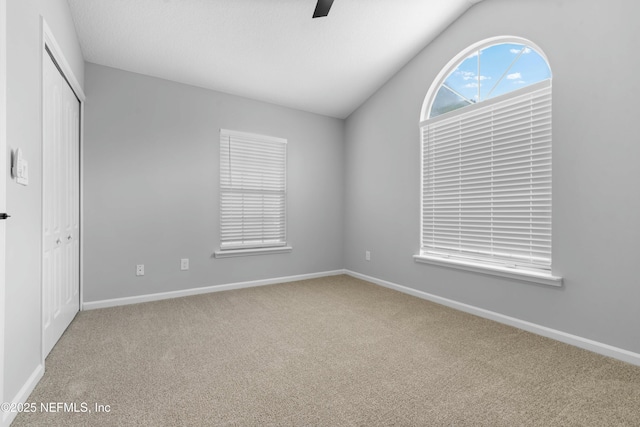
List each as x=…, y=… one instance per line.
x=334, y=351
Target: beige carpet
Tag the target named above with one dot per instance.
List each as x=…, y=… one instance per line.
x=335, y=351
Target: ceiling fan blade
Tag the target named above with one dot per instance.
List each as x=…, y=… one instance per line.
x=322, y=8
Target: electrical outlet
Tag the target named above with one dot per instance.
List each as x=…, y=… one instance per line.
x=140, y=270
x=367, y=256
x=184, y=264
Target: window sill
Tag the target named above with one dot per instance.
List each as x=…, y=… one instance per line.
x=511, y=273
x=254, y=251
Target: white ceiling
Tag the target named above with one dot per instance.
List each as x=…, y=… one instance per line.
x=267, y=50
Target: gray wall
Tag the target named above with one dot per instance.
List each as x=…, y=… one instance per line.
x=151, y=162
x=590, y=46
x=22, y=335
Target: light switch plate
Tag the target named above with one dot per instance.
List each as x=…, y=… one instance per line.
x=20, y=168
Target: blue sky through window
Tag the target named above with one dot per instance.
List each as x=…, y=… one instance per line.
x=490, y=72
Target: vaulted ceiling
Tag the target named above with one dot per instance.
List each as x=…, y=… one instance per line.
x=269, y=50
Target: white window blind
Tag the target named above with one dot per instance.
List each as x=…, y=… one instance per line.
x=253, y=191
x=486, y=181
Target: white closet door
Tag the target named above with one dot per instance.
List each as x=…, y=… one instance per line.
x=60, y=269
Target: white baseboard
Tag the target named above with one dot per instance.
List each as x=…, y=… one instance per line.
x=584, y=343
x=23, y=394
x=92, y=305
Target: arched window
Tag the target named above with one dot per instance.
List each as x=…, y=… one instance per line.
x=486, y=161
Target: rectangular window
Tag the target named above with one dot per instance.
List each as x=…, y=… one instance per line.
x=486, y=182
x=253, y=192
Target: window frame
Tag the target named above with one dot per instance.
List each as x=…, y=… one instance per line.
x=244, y=249
x=540, y=276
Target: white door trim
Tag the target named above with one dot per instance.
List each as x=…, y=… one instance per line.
x=49, y=41
x=3, y=177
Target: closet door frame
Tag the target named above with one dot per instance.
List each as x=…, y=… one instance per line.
x=49, y=43
x=3, y=182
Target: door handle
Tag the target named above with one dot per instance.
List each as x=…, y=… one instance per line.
x=4, y=216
